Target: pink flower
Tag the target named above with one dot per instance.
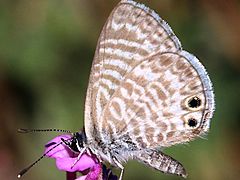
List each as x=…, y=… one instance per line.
x=88, y=165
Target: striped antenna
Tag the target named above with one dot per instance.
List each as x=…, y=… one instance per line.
x=34, y=163
x=42, y=130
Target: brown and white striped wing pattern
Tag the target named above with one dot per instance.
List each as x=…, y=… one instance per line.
x=157, y=100
x=132, y=34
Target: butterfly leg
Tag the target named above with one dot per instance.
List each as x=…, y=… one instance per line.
x=120, y=166
x=79, y=156
x=66, y=142
x=162, y=162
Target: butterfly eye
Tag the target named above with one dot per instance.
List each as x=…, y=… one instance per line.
x=194, y=102
x=192, y=122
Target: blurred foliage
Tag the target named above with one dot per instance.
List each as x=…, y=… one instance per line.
x=46, y=50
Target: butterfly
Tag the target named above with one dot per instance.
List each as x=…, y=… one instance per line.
x=145, y=93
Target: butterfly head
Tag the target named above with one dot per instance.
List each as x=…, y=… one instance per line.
x=77, y=142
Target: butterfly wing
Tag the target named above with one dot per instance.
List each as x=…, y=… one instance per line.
x=165, y=100
x=131, y=34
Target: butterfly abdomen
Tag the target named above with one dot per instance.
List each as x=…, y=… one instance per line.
x=162, y=162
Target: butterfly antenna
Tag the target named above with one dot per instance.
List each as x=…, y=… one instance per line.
x=42, y=130
x=34, y=163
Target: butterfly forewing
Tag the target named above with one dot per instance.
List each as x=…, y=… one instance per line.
x=131, y=34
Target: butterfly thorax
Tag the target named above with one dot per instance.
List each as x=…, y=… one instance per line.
x=113, y=149
x=109, y=149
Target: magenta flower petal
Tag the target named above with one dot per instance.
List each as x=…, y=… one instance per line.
x=88, y=165
x=85, y=162
x=95, y=172
x=60, y=151
x=65, y=158
x=82, y=177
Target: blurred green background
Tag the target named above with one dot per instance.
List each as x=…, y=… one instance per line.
x=46, y=50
